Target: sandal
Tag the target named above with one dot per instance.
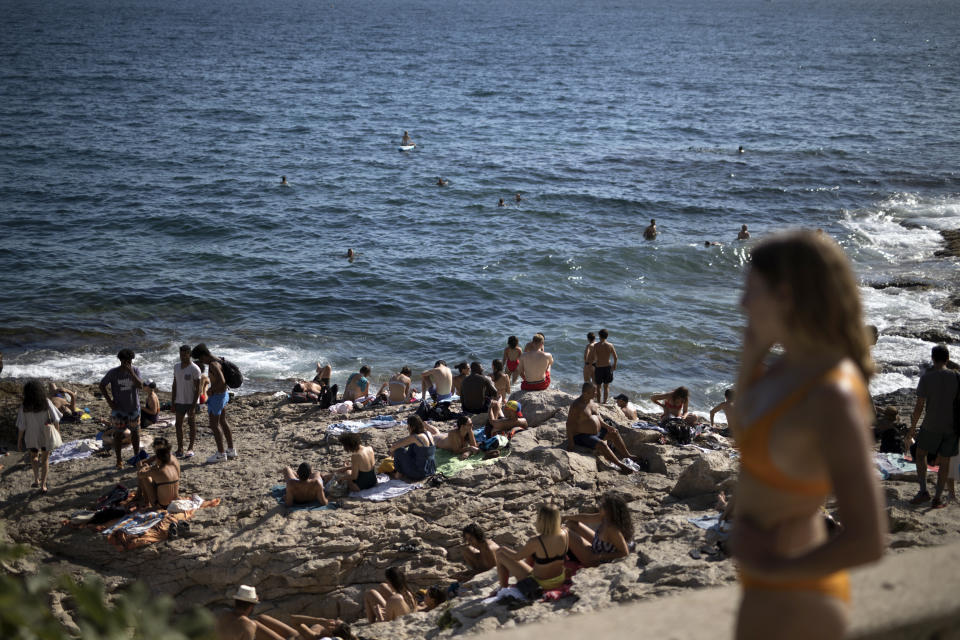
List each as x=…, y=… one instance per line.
x=920, y=498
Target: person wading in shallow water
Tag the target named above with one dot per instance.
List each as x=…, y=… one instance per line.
x=802, y=426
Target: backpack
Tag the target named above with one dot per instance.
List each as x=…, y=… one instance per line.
x=231, y=373
x=679, y=430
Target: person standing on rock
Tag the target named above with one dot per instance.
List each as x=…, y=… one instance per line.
x=589, y=360
x=802, y=426
x=584, y=429
x=125, y=384
x=535, y=366
x=216, y=404
x=603, y=351
x=935, y=394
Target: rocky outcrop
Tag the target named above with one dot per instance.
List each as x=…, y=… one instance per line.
x=709, y=473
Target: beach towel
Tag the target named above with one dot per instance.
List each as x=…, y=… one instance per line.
x=711, y=522
x=280, y=493
x=506, y=592
x=75, y=450
x=449, y=464
x=894, y=465
x=647, y=426
x=385, y=489
x=136, y=523
x=355, y=426
x=161, y=531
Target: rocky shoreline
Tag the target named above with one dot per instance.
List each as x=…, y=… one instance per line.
x=320, y=562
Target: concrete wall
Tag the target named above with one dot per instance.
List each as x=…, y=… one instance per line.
x=910, y=595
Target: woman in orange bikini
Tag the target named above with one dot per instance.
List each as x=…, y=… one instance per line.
x=801, y=425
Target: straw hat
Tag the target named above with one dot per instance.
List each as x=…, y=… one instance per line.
x=246, y=594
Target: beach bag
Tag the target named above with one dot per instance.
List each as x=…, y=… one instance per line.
x=679, y=430
x=423, y=410
x=891, y=441
x=386, y=466
x=494, y=442
x=231, y=373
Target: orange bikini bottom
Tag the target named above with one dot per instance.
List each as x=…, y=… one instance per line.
x=836, y=585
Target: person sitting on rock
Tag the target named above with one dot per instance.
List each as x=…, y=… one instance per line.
x=463, y=370
x=63, y=399
x=391, y=599
x=304, y=486
x=413, y=456
x=609, y=537
x=535, y=366
x=397, y=388
x=724, y=406
x=506, y=419
x=675, y=404
x=151, y=409
x=357, y=386
x=548, y=549
x=501, y=381
x=478, y=395
x=460, y=441
x=438, y=382
x=584, y=429
x=238, y=622
x=360, y=473
x=626, y=407
x=479, y=552
x=158, y=479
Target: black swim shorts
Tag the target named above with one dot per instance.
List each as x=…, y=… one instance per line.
x=603, y=375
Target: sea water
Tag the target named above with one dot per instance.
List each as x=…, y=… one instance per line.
x=142, y=144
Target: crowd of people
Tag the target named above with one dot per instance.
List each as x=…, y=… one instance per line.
x=800, y=418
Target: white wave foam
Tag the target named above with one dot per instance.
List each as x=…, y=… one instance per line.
x=879, y=230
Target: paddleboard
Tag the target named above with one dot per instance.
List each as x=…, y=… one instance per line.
x=407, y=147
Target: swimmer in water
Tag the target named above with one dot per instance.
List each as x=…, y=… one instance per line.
x=501, y=203
x=442, y=183
x=518, y=197
x=707, y=243
x=283, y=181
x=744, y=234
x=406, y=141
x=650, y=233
x=350, y=255
x=740, y=149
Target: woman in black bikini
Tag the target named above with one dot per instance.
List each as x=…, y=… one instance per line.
x=360, y=473
x=158, y=480
x=541, y=557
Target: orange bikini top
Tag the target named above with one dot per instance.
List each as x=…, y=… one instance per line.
x=754, y=441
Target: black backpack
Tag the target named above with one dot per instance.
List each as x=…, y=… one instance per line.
x=679, y=430
x=231, y=373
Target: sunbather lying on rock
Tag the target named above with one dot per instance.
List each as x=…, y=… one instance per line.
x=541, y=557
x=304, y=486
x=391, y=599
x=63, y=399
x=435, y=597
x=360, y=473
x=479, y=552
x=312, y=628
x=602, y=536
x=460, y=441
x=158, y=480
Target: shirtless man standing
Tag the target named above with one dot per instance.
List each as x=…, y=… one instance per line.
x=217, y=400
x=438, y=382
x=589, y=360
x=304, y=486
x=584, y=430
x=603, y=373
x=535, y=366
x=650, y=233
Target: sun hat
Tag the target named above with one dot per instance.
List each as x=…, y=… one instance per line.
x=246, y=594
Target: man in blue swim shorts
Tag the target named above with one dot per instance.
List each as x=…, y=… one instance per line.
x=584, y=429
x=124, y=401
x=217, y=399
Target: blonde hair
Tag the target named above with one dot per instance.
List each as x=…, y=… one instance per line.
x=825, y=300
x=548, y=520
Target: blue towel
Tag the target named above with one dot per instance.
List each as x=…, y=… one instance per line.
x=280, y=493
